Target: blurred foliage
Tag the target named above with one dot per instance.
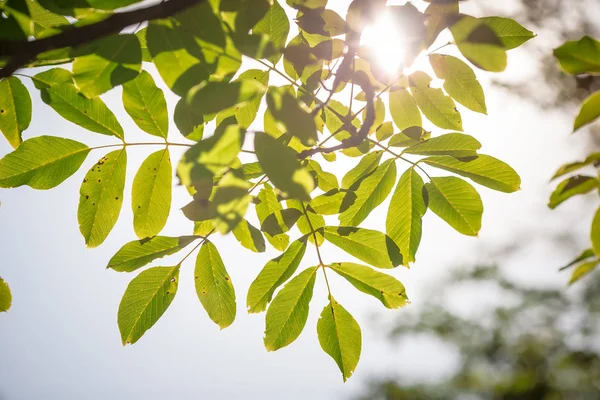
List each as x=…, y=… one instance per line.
x=534, y=344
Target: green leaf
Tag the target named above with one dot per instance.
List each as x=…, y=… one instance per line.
x=575, y=185
x=189, y=121
x=101, y=197
x=451, y=144
x=478, y=42
x=106, y=63
x=280, y=221
x=230, y=202
x=280, y=164
x=15, y=110
x=249, y=236
x=384, y=131
x=403, y=109
x=579, y=57
x=151, y=194
x=326, y=181
x=460, y=81
x=5, y=296
x=289, y=111
x=590, y=111
x=367, y=245
x=268, y=205
x=593, y=158
x=329, y=203
x=146, y=299
x=246, y=114
x=582, y=270
x=365, y=166
x=43, y=20
x=141, y=35
x=510, y=32
x=288, y=312
x=275, y=24
x=381, y=286
x=435, y=105
x=214, y=286
x=404, y=218
x=42, y=162
x=146, y=105
x=340, y=337
x=90, y=114
x=456, y=202
x=371, y=192
x=136, y=254
x=273, y=275
x=51, y=77
x=485, y=170
x=212, y=97
x=595, y=234
x=586, y=254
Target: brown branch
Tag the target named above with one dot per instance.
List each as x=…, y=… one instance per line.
x=22, y=52
x=357, y=137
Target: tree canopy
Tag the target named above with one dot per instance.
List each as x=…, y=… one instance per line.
x=259, y=183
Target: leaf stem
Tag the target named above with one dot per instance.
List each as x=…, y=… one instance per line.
x=124, y=144
x=204, y=239
x=398, y=156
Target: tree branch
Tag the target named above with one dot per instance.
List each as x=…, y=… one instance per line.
x=21, y=52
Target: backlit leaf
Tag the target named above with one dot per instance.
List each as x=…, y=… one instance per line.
x=367, y=245
x=52, y=77
x=575, y=185
x=371, y=192
x=340, y=337
x=146, y=105
x=146, y=299
x=435, y=105
x=579, y=57
x=451, y=144
x=189, y=121
x=595, y=234
x=403, y=109
x=249, y=236
x=365, y=166
x=288, y=312
x=106, y=63
x=138, y=253
x=485, y=170
x=214, y=286
x=460, y=81
x=590, y=111
x=5, y=296
x=478, y=42
x=583, y=270
x=288, y=110
x=275, y=24
x=151, y=194
x=212, y=97
x=42, y=162
x=592, y=159
x=510, y=32
x=101, y=197
x=273, y=275
x=379, y=285
x=329, y=203
x=404, y=218
x=15, y=110
x=281, y=166
x=90, y=114
x=456, y=202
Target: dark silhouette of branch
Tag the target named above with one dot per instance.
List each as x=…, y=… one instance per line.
x=22, y=52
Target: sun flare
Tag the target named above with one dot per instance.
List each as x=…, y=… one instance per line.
x=384, y=40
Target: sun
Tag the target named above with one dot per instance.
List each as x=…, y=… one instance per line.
x=385, y=42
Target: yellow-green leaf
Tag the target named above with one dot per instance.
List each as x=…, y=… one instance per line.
x=451, y=144
x=15, y=110
x=595, y=234
x=288, y=312
x=583, y=270
x=101, y=197
x=249, y=236
x=268, y=205
x=340, y=336
x=510, y=32
x=136, y=254
x=456, y=202
x=404, y=218
x=5, y=296
x=273, y=275
x=575, y=185
x=384, y=287
x=151, y=194
x=106, y=63
x=485, y=170
x=146, y=105
x=365, y=166
x=460, y=81
x=403, y=109
x=214, y=286
x=146, y=299
x=590, y=111
x=478, y=42
x=42, y=162
x=579, y=57
x=275, y=24
x=435, y=105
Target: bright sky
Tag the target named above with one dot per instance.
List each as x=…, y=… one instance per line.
x=60, y=340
